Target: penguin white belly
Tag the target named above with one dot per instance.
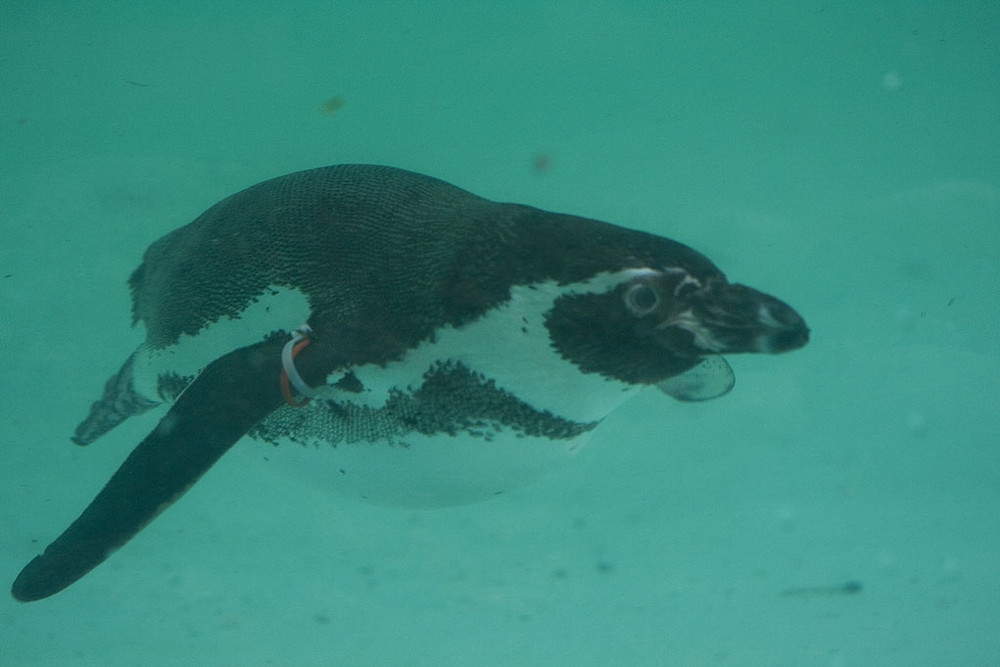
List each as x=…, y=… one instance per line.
x=474, y=412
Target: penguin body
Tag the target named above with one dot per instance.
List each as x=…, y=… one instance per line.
x=404, y=340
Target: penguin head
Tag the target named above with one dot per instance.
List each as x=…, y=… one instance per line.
x=693, y=317
x=655, y=323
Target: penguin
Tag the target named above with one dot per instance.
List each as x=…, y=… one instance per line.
x=407, y=340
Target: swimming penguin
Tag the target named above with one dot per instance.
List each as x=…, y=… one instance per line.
x=412, y=341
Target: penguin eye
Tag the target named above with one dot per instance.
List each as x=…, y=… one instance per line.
x=641, y=299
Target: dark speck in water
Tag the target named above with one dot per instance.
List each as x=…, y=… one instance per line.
x=847, y=588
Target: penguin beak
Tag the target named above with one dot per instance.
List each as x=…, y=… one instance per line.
x=726, y=318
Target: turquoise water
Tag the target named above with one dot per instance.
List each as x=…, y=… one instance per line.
x=840, y=507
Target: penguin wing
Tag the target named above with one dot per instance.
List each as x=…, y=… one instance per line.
x=226, y=399
x=710, y=378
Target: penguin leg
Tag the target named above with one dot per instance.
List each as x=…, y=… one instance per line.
x=227, y=398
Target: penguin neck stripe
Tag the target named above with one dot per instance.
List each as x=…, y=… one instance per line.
x=289, y=374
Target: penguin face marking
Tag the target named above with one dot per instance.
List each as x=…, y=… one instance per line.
x=616, y=333
x=659, y=323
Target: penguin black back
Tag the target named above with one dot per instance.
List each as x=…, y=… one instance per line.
x=361, y=240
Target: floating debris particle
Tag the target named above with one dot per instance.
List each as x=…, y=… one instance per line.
x=332, y=105
x=541, y=163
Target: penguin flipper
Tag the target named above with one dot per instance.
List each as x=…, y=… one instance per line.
x=226, y=399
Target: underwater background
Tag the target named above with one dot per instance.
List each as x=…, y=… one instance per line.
x=840, y=507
